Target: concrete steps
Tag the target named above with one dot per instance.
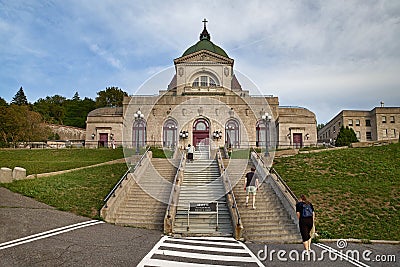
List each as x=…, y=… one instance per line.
x=202, y=184
x=269, y=222
x=146, y=201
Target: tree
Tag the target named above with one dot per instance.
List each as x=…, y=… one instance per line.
x=111, y=97
x=3, y=102
x=320, y=126
x=20, y=98
x=346, y=137
x=76, y=111
x=76, y=97
x=51, y=108
x=18, y=124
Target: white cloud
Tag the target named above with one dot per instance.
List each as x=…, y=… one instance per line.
x=324, y=55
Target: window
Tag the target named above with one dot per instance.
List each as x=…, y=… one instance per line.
x=334, y=129
x=384, y=132
x=383, y=119
x=170, y=135
x=261, y=136
x=358, y=135
x=350, y=122
x=391, y=119
x=232, y=133
x=393, y=132
x=139, y=133
x=204, y=81
x=368, y=123
x=369, y=136
x=357, y=122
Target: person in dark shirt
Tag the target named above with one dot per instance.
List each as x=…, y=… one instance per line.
x=250, y=186
x=305, y=214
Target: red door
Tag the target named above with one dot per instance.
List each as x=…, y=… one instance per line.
x=298, y=140
x=201, y=132
x=103, y=140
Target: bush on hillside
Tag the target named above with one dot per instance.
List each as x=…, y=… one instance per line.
x=346, y=137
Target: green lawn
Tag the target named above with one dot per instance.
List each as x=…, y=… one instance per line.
x=356, y=192
x=48, y=160
x=80, y=192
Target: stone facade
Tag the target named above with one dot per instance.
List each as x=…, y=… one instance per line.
x=379, y=124
x=203, y=104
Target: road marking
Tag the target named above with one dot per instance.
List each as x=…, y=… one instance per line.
x=177, y=252
x=47, y=234
x=341, y=255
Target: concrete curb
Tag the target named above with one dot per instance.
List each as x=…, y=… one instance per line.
x=363, y=241
x=33, y=176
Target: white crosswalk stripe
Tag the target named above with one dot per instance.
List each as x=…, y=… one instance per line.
x=200, y=252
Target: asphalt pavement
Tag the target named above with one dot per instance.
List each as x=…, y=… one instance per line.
x=35, y=234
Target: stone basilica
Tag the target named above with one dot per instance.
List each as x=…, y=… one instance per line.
x=204, y=104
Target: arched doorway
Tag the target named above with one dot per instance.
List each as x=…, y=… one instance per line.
x=139, y=134
x=232, y=133
x=170, y=136
x=201, y=132
x=261, y=137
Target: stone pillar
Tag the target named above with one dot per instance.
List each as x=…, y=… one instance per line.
x=6, y=175
x=19, y=173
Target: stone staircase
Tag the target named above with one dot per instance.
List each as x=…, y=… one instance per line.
x=269, y=222
x=202, y=184
x=147, y=199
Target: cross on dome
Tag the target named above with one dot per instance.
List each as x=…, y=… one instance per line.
x=205, y=21
x=205, y=35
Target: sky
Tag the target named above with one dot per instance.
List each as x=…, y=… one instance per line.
x=326, y=55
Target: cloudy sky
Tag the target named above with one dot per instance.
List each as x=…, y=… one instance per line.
x=322, y=55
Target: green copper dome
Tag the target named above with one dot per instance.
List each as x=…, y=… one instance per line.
x=205, y=44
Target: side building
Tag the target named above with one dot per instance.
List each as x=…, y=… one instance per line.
x=381, y=123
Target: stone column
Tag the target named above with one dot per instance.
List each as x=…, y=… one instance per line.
x=6, y=175
x=19, y=173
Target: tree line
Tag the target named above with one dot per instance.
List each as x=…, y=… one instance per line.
x=24, y=122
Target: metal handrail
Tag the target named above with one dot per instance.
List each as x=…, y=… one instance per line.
x=174, y=184
x=287, y=188
x=112, y=192
x=230, y=187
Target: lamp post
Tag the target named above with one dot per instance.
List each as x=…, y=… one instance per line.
x=267, y=119
x=217, y=135
x=137, y=116
x=184, y=135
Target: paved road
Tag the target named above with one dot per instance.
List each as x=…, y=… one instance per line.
x=34, y=234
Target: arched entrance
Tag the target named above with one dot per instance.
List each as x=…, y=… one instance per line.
x=232, y=133
x=201, y=132
x=170, y=135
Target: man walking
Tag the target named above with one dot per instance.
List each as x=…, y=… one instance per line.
x=250, y=186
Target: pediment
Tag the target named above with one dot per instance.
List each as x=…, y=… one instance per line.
x=204, y=56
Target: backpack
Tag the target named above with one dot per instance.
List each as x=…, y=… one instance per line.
x=307, y=211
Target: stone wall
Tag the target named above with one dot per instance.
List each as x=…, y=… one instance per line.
x=68, y=132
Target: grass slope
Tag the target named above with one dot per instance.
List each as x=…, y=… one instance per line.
x=80, y=192
x=49, y=160
x=356, y=192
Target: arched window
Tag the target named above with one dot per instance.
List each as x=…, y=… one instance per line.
x=260, y=134
x=232, y=138
x=204, y=81
x=170, y=136
x=139, y=133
